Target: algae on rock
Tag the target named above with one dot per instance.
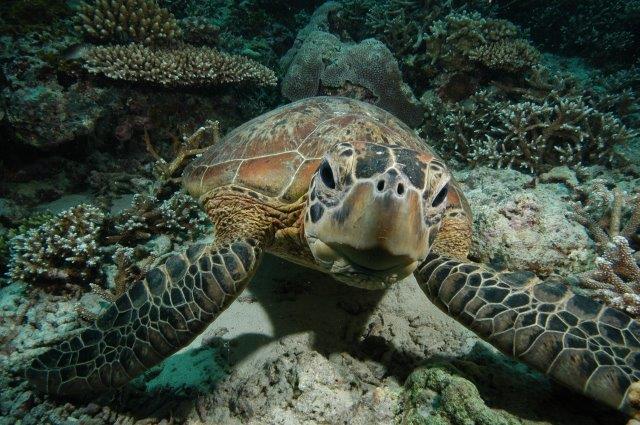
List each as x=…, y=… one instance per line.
x=438, y=394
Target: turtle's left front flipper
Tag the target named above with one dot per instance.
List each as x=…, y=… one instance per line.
x=583, y=344
x=156, y=317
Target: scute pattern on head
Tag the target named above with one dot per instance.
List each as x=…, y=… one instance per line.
x=374, y=211
x=277, y=153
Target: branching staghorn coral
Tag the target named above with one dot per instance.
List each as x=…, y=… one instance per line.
x=603, y=211
x=533, y=135
x=176, y=66
x=400, y=24
x=142, y=21
x=508, y=55
x=71, y=247
x=616, y=278
x=180, y=216
x=462, y=41
x=197, y=143
x=64, y=249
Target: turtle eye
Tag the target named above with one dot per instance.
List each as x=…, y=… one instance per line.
x=326, y=175
x=441, y=196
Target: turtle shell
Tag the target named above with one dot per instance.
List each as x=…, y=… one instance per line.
x=276, y=154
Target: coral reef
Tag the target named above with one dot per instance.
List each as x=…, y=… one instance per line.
x=616, y=278
x=317, y=22
x=179, y=66
x=17, y=223
x=300, y=332
x=24, y=16
x=142, y=21
x=203, y=137
x=618, y=92
x=463, y=41
x=603, y=211
x=306, y=387
x=71, y=248
x=530, y=134
x=199, y=31
x=401, y=25
x=323, y=64
x=179, y=216
x=253, y=28
x=604, y=31
x=309, y=350
x=42, y=109
x=63, y=250
x=511, y=55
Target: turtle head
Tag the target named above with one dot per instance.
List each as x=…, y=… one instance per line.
x=374, y=211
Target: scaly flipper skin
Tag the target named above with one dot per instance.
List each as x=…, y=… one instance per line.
x=579, y=342
x=152, y=320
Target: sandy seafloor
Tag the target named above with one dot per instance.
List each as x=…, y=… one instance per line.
x=300, y=348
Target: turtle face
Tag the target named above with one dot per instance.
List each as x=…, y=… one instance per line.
x=374, y=212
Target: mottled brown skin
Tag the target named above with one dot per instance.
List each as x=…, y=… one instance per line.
x=343, y=187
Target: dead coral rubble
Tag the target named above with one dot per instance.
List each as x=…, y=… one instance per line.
x=176, y=66
x=141, y=21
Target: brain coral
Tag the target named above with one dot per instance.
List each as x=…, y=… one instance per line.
x=325, y=65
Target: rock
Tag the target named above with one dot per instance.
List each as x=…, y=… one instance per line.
x=306, y=387
x=40, y=110
x=520, y=228
x=439, y=395
x=10, y=211
x=561, y=174
x=320, y=63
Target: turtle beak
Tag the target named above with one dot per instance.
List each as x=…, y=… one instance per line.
x=379, y=226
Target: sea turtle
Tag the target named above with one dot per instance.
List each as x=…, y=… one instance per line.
x=343, y=187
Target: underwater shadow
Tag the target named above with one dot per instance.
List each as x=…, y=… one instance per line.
x=287, y=300
x=512, y=386
x=298, y=300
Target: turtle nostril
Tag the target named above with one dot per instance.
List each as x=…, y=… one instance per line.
x=380, y=185
x=400, y=189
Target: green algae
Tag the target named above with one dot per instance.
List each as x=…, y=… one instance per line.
x=438, y=394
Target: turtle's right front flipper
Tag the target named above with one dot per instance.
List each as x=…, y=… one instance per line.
x=579, y=342
x=152, y=320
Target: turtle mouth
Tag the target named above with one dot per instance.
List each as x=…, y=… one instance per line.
x=355, y=274
x=374, y=260
x=365, y=268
